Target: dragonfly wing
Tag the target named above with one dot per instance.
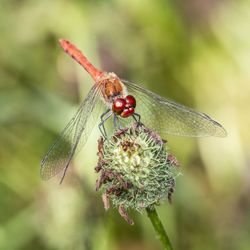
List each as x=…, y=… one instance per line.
x=168, y=117
x=75, y=133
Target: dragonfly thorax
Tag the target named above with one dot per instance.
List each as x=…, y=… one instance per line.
x=111, y=87
x=115, y=95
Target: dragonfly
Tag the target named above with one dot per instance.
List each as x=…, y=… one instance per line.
x=122, y=100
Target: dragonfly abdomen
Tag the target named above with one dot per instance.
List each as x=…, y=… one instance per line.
x=77, y=55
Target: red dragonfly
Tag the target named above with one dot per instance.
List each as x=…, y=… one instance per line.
x=121, y=99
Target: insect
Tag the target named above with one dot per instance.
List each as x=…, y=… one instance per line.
x=122, y=100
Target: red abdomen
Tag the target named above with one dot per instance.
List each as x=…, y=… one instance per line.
x=77, y=55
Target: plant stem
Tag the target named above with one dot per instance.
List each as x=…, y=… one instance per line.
x=159, y=229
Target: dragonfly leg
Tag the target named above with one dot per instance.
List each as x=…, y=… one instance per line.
x=115, y=121
x=104, y=117
x=137, y=117
x=117, y=124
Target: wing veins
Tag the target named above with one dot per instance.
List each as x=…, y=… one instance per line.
x=69, y=139
x=190, y=122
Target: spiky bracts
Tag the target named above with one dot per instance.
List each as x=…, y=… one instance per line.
x=136, y=171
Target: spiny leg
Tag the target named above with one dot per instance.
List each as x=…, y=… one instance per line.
x=104, y=117
x=100, y=126
x=117, y=124
x=137, y=117
x=115, y=121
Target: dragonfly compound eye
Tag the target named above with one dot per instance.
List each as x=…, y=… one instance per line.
x=119, y=105
x=130, y=100
x=127, y=112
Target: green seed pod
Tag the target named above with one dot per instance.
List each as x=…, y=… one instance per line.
x=136, y=171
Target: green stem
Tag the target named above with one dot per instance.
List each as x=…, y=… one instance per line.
x=159, y=229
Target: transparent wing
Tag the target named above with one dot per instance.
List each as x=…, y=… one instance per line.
x=75, y=133
x=167, y=117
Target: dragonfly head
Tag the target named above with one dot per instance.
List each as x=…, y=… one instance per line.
x=124, y=107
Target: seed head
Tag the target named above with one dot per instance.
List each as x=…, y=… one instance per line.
x=136, y=170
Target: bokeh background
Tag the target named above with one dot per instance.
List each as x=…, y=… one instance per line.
x=194, y=52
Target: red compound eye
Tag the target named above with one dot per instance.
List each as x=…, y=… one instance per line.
x=131, y=102
x=119, y=105
x=127, y=112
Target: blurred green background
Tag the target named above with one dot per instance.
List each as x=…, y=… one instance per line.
x=194, y=52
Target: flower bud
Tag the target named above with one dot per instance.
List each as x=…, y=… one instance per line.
x=136, y=170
